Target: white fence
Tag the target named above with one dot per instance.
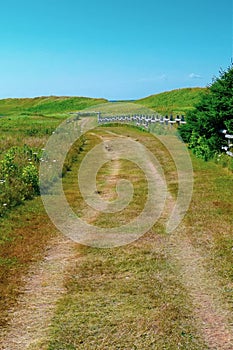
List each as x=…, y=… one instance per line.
x=142, y=120
x=229, y=147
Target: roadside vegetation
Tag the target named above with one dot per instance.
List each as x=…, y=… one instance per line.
x=212, y=115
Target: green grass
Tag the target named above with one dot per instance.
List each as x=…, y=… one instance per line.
x=32, y=120
x=177, y=101
x=210, y=219
x=23, y=126
x=46, y=105
x=120, y=108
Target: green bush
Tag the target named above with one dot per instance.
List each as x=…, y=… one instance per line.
x=30, y=176
x=201, y=146
x=211, y=115
x=19, y=179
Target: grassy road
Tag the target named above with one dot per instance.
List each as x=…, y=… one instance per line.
x=163, y=291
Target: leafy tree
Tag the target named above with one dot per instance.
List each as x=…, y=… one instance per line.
x=212, y=114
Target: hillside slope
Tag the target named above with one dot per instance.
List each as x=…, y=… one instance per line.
x=175, y=101
x=46, y=105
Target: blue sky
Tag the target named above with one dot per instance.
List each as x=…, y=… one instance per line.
x=122, y=49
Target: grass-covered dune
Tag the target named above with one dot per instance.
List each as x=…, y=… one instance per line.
x=176, y=101
x=46, y=105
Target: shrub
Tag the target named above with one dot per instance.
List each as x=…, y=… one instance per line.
x=211, y=115
x=30, y=177
x=19, y=178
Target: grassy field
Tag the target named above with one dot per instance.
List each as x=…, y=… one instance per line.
x=135, y=296
x=178, y=101
x=32, y=120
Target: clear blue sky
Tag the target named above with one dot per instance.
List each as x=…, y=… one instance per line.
x=118, y=49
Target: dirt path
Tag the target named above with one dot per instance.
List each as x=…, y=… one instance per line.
x=90, y=215
x=43, y=287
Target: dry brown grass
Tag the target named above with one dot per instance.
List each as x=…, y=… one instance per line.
x=27, y=230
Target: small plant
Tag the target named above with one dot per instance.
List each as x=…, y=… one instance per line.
x=30, y=177
x=200, y=146
x=224, y=160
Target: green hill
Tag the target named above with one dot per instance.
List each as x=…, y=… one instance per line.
x=176, y=101
x=46, y=105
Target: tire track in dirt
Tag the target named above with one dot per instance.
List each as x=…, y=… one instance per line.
x=211, y=312
x=43, y=287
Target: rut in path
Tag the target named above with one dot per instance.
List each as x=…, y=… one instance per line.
x=213, y=315
x=211, y=312
x=43, y=287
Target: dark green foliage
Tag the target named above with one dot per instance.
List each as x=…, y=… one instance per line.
x=211, y=115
